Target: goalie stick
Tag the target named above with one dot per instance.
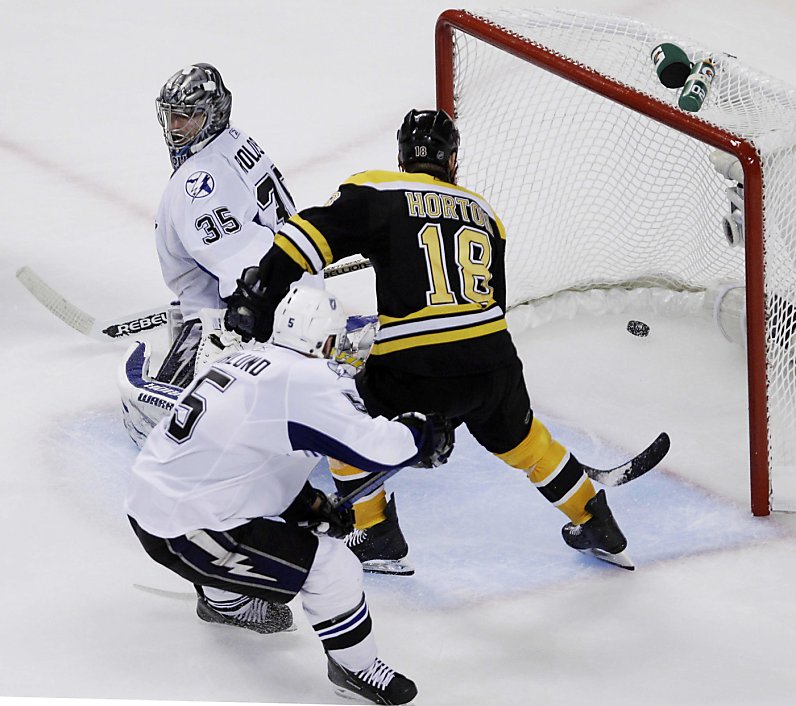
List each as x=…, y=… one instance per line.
x=129, y=324
x=85, y=323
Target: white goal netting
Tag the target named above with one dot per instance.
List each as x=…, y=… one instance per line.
x=597, y=196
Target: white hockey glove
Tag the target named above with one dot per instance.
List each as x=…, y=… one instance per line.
x=730, y=168
x=216, y=339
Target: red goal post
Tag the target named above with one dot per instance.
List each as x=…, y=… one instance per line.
x=567, y=52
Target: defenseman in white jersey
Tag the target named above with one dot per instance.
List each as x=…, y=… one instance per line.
x=219, y=492
x=218, y=213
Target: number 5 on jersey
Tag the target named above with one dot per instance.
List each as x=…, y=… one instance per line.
x=189, y=411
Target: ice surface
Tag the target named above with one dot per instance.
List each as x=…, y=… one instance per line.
x=499, y=611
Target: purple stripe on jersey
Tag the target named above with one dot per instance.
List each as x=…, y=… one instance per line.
x=304, y=438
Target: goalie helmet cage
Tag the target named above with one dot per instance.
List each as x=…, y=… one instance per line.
x=567, y=131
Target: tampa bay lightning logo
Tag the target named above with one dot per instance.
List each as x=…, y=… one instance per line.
x=199, y=185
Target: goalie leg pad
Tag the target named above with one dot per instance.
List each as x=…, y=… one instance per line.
x=179, y=364
x=144, y=401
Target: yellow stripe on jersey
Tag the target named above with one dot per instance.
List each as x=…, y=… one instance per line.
x=293, y=252
x=384, y=180
x=401, y=344
x=431, y=311
x=316, y=236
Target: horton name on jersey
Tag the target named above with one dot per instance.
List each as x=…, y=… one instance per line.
x=458, y=208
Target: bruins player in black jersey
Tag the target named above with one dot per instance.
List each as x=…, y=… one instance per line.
x=442, y=344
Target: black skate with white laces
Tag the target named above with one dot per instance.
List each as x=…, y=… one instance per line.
x=247, y=612
x=382, y=548
x=600, y=536
x=378, y=683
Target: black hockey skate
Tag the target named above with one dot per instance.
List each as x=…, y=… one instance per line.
x=600, y=536
x=382, y=548
x=247, y=612
x=378, y=683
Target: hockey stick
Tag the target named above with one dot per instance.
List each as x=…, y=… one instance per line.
x=375, y=480
x=635, y=467
x=85, y=323
x=345, y=268
x=129, y=324
x=179, y=595
x=624, y=473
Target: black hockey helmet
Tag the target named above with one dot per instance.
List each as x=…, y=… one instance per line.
x=197, y=94
x=427, y=137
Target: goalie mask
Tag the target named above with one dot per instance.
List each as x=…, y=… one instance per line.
x=427, y=139
x=193, y=107
x=306, y=319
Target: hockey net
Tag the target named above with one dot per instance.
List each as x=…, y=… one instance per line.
x=567, y=131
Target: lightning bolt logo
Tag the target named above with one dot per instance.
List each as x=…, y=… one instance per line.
x=233, y=562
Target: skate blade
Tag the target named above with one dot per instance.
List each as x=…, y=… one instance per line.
x=354, y=697
x=399, y=567
x=351, y=695
x=622, y=559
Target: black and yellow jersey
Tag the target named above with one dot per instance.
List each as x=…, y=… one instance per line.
x=438, y=253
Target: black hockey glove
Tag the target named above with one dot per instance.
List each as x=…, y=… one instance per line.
x=433, y=434
x=339, y=518
x=312, y=509
x=251, y=307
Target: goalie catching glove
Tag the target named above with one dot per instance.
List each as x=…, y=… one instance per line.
x=433, y=434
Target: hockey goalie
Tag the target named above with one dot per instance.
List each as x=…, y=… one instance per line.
x=218, y=214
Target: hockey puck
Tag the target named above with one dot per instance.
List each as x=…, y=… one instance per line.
x=638, y=328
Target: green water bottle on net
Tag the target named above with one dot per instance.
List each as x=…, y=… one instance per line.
x=671, y=64
x=697, y=85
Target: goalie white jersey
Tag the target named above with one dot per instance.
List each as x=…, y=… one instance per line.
x=218, y=216
x=245, y=435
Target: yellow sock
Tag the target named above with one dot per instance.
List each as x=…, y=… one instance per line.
x=369, y=510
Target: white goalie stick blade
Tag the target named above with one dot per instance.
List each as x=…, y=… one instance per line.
x=76, y=318
x=635, y=467
x=622, y=559
x=128, y=324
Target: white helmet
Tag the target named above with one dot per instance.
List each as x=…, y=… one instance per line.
x=306, y=318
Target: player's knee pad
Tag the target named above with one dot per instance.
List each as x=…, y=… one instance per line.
x=538, y=454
